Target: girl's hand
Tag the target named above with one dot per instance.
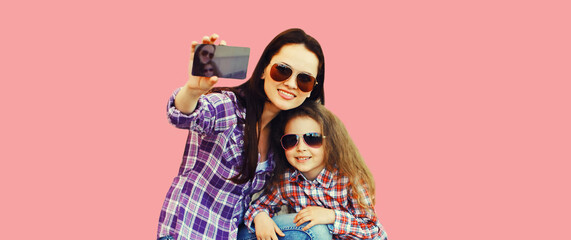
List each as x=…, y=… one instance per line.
x=266, y=228
x=314, y=215
x=200, y=85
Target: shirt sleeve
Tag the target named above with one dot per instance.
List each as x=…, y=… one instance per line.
x=215, y=111
x=358, y=222
x=269, y=203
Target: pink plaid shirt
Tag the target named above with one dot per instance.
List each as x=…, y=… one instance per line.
x=328, y=190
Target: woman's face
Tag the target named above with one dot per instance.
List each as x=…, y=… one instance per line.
x=206, y=53
x=286, y=94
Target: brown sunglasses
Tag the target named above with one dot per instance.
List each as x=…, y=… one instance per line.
x=281, y=72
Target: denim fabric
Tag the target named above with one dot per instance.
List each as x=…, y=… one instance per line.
x=166, y=238
x=291, y=231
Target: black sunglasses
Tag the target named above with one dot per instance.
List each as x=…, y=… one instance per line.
x=313, y=140
x=205, y=53
x=281, y=72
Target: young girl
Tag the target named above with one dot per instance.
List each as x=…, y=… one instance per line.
x=227, y=159
x=321, y=176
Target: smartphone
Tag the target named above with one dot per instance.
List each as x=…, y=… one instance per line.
x=222, y=61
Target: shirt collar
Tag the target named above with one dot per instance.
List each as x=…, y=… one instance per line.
x=324, y=178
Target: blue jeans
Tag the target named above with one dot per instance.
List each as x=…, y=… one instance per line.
x=291, y=231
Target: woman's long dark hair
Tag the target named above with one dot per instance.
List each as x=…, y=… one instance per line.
x=251, y=94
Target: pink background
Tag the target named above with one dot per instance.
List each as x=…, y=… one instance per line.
x=462, y=109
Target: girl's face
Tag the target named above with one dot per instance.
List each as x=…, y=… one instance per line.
x=208, y=70
x=308, y=160
x=286, y=94
x=206, y=54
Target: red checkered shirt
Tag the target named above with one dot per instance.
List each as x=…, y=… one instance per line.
x=328, y=190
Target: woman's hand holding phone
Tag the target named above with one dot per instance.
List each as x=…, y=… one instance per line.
x=199, y=84
x=187, y=98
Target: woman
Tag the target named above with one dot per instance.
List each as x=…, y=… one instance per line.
x=227, y=157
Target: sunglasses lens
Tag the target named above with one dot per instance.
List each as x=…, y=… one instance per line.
x=289, y=141
x=313, y=139
x=305, y=82
x=207, y=54
x=280, y=72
